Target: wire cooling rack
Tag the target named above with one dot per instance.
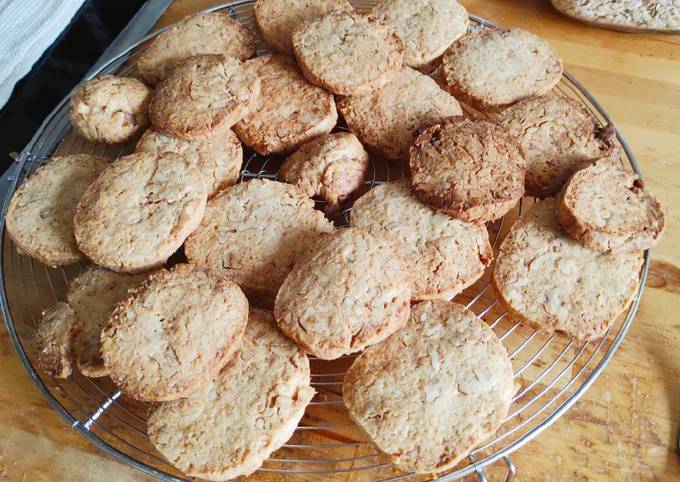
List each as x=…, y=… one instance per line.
x=551, y=371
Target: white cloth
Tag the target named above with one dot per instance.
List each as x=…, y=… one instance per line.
x=28, y=28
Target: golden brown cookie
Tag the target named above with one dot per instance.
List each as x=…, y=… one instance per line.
x=40, y=215
x=605, y=208
x=433, y=390
x=347, y=53
x=139, y=211
x=471, y=170
x=290, y=111
x=203, y=93
x=626, y=15
x=493, y=68
x=351, y=290
x=110, y=109
x=548, y=280
x=53, y=340
x=171, y=336
x=331, y=167
x=205, y=33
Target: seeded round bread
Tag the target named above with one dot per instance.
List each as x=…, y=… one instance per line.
x=427, y=27
x=139, y=211
x=203, y=93
x=53, y=340
x=433, y=390
x=93, y=295
x=40, y=215
x=605, y=208
x=557, y=136
x=389, y=118
x=172, y=335
x=331, y=167
x=218, y=155
x=347, y=53
x=351, y=290
x=471, y=170
x=251, y=408
x=548, y=280
x=277, y=19
x=231, y=237
x=290, y=110
x=493, y=68
x=206, y=33
x=626, y=15
x=110, y=109
x=443, y=255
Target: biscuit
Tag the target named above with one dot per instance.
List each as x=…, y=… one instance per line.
x=471, y=170
x=427, y=27
x=557, y=136
x=139, y=211
x=433, y=390
x=548, y=280
x=290, y=110
x=110, y=109
x=254, y=232
x=93, y=295
x=443, y=255
x=331, y=167
x=277, y=19
x=206, y=33
x=347, y=53
x=349, y=291
x=493, y=68
x=218, y=155
x=201, y=94
x=40, y=215
x=251, y=409
x=172, y=335
x=53, y=340
x=605, y=208
x=626, y=15
x=389, y=119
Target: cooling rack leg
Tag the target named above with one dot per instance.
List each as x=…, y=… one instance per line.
x=512, y=471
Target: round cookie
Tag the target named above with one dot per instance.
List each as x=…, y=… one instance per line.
x=389, y=119
x=290, y=110
x=206, y=33
x=139, y=211
x=218, y=155
x=110, y=109
x=347, y=53
x=433, y=390
x=254, y=232
x=548, y=280
x=201, y=94
x=331, y=167
x=625, y=15
x=251, y=409
x=557, y=136
x=443, y=255
x=173, y=334
x=493, y=68
x=351, y=290
x=471, y=170
x=40, y=215
x=53, y=340
x=277, y=19
x=93, y=295
x=605, y=208
x=427, y=27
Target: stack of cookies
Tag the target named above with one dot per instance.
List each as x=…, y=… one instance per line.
x=229, y=382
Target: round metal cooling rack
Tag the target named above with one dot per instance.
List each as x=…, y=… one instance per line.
x=551, y=371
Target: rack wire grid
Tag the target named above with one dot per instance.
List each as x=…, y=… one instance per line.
x=551, y=371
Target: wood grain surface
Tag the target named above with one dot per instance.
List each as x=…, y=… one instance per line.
x=626, y=426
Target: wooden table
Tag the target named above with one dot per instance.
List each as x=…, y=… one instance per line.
x=626, y=426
